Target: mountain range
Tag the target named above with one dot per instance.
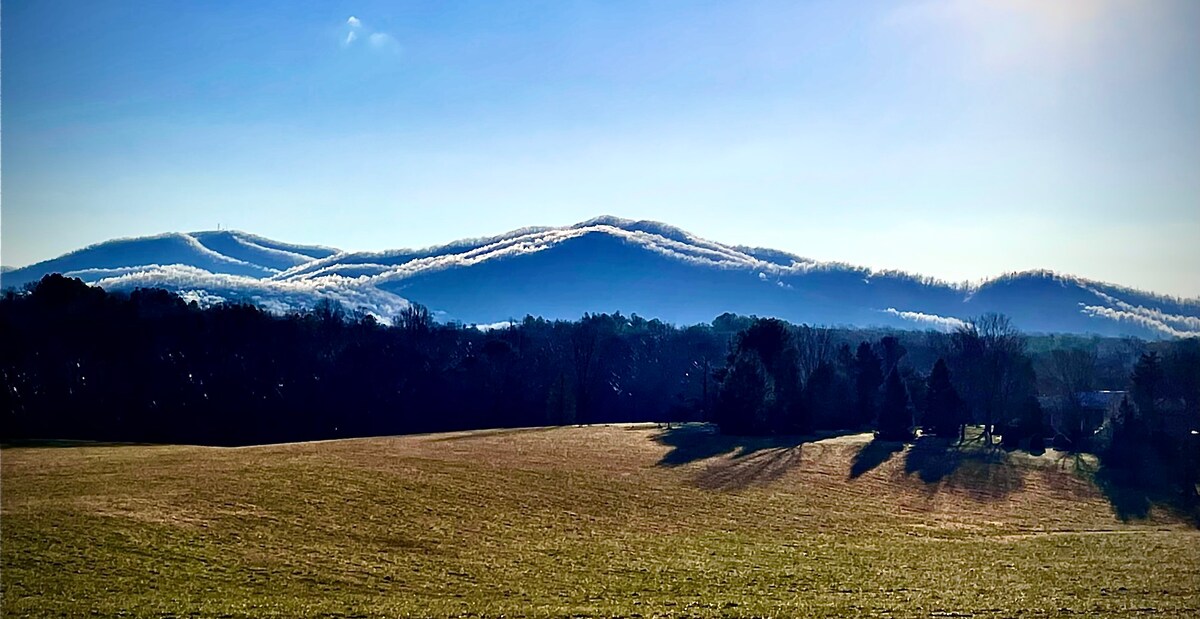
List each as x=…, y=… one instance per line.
x=604, y=264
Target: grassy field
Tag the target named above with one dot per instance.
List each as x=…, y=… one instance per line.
x=596, y=521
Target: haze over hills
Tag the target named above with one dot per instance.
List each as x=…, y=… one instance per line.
x=605, y=264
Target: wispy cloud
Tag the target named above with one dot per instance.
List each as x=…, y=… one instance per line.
x=377, y=40
x=945, y=324
x=381, y=40
x=1178, y=325
x=351, y=28
x=1138, y=318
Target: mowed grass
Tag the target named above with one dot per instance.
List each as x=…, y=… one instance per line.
x=593, y=521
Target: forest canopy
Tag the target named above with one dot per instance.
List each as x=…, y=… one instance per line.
x=82, y=363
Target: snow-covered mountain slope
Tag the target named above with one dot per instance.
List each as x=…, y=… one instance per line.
x=261, y=251
x=221, y=252
x=603, y=265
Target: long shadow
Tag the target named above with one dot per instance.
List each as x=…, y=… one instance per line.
x=872, y=455
x=986, y=473
x=932, y=459
x=65, y=443
x=755, y=468
x=699, y=441
x=693, y=442
x=1136, y=488
x=755, y=460
x=470, y=434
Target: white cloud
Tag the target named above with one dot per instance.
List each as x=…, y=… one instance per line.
x=1175, y=325
x=1188, y=324
x=375, y=39
x=495, y=326
x=941, y=323
x=381, y=40
x=1098, y=311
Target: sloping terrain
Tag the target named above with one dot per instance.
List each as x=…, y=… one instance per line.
x=605, y=265
x=595, y=521
x=216, y=252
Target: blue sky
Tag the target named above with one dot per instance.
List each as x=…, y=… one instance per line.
x=951, y=138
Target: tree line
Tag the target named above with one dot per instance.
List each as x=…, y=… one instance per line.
x=80, y=362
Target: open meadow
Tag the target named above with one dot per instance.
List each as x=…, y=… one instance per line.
x=581, y=522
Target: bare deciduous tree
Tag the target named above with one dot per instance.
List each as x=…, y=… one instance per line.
x=990, y=352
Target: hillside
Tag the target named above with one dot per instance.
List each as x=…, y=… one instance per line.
x=605, y=264
x=593, y=521
x=217, y=252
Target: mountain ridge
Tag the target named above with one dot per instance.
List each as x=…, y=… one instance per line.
x=605, y=264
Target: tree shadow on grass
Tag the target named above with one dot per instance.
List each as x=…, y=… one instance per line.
x=700, y=441
x=986, y=473
x=755, y=460
x=872, y=455
x=693, y=442
x=471, y=434
x=932, y=459
x=1138, y=488
x=64, y=443
x=755, y=468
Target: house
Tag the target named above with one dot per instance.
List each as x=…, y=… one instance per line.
x=1082, y=416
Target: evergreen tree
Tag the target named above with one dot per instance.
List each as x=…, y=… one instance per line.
x=1034, y=422
x=786, y=409
x=891, y=351
x=742, y=403
x=762, y=393
x=1028, y=423
x=895, y=415
x=560, y=402
x=943, y=407
x=820, y=396
x=867, y=379
x=844, y=387
x=1146, y=390
x=1037, y=443
x=1128, y=435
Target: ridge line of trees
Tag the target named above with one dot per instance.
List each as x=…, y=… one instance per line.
x=79, y=362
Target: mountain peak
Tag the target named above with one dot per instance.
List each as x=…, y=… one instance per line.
x=606, y=263
x=632, y=225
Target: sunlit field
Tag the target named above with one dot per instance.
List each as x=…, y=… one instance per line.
x=590, y=521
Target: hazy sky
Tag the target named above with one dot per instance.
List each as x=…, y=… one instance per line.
x=960, y=139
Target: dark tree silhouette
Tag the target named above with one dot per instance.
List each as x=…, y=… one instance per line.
x=78, y=362
x=763, y=353
x=1029, y=424
x=742, y=408
x=1128, y=435
x=821, y=398
x=867, y=379
x=895, y=414
x=943, y=407
x=891, y=351
x=993, y=371
x=1146, y=386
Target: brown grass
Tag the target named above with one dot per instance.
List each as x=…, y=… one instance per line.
x=596, y=521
